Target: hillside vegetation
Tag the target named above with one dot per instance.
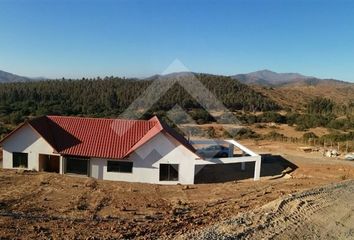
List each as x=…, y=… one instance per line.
x=111, y=96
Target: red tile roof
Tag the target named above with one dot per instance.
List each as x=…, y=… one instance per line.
x=97, y=137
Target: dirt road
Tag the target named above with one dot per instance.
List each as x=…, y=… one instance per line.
x=321, y=213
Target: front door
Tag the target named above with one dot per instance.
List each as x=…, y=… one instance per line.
x=49, y=163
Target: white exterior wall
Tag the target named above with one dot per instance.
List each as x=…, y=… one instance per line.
x=161, y=149
x=25, y=140
x=147, y=159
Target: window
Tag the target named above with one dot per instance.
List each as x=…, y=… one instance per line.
x=77, y=165
x=119, y=166
x=19, y=160
x=169, y=172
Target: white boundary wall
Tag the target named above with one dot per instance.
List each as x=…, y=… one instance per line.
x=253, y=157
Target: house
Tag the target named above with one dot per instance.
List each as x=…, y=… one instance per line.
x=111, y=149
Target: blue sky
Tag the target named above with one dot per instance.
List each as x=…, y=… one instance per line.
x=87, y=38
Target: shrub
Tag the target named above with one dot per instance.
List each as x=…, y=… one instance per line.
x=337, y=137
x=244, y=133
x=300, y=128
x=291, y=118
x=178, y=117
x=16, y=118
x=211, y=132
x=343, y=124
x=3, y=130
x=260, y=126
x=201, y=116
x=226, y=134
x=309, y=135
x=273, y=135
x=320, y=106
x=271, y=117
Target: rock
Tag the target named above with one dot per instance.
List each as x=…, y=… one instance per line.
x=43, y=182
x=81, y=207
x=287, y=170
x=20, y=171
x=133, y=190
x=150, y=217
x=91, y=183
x=287, y=176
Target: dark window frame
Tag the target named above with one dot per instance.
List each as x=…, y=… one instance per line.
x=73, y=158
x=22, y=159
x=171, y=172
x=119, y=166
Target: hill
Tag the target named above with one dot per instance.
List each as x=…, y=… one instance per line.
x=269, y=78
x=296, y=95
x=294, y=90
x=110, y=96
x=6, y=77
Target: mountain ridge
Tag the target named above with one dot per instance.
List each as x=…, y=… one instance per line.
x=274, y=79
x=6, y=77
x=263, y=78
x=268, y=78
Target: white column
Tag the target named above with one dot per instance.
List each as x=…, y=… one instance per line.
x=61, y=165
x=257, y=169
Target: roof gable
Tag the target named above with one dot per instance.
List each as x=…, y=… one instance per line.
x=24, y=137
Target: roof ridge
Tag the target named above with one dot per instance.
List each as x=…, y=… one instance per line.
x=98, y=118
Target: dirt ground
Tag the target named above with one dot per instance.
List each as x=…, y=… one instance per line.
x=51, y=206
x=287, y=130
x=320, y=213
x=284, y=129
